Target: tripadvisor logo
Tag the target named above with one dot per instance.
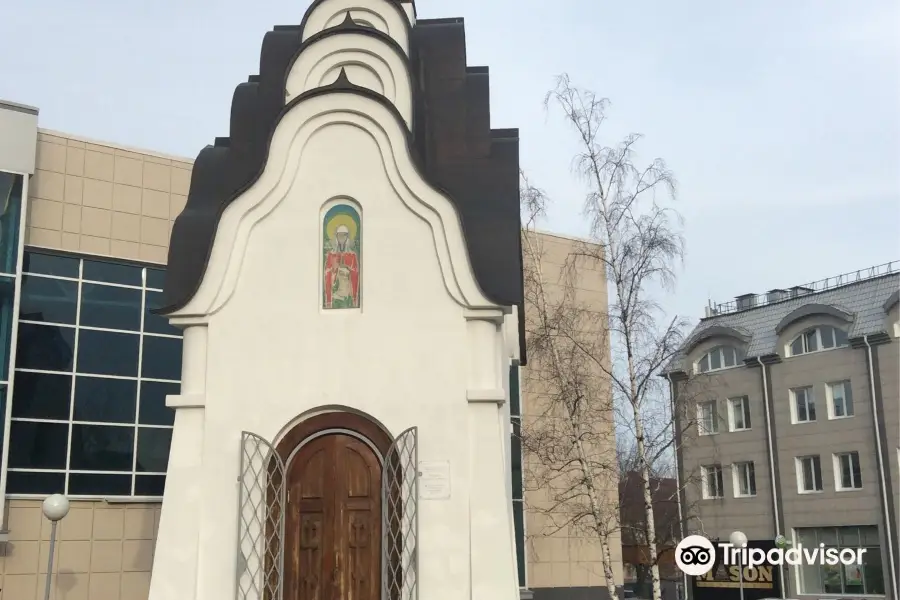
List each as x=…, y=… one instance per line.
x=695, y=555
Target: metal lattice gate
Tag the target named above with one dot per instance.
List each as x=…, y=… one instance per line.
x=400, y=519
x=261, y=506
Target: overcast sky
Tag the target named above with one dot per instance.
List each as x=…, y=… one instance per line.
x=780, y=119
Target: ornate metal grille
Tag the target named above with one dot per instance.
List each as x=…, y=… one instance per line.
x=400, y=519
x=261, y=504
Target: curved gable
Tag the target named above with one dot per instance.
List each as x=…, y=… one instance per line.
x=716, y=331
x=808, y=310
x=451, y=142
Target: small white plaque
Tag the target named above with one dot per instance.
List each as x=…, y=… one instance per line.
x=434, y=480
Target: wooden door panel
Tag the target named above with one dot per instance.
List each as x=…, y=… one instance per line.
x=333, y=524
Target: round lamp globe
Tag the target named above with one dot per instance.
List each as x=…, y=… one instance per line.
x=738, y=539
x=55, y=507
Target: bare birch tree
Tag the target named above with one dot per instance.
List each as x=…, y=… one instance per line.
x=567, y=432
x=597, y=368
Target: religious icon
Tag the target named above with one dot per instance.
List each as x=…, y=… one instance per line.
x=341, y=237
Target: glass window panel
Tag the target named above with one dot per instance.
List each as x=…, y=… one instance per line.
x=802, y=414
x=41, y=396
x=48, y=300
x=153, y=409
x=10, y=211
x=514, y=403
x=812, y=342
x=704, y=363
x=7, y=293
x=840, y=337
x=715, y=359
x=28, y=482
x=516, y=460
x=110, y=307
x=827, y=335
x=110, y=272
x=847, y=391
x=153, y=449
x=162, y=358
x=45, y=347
x=797, y=346
x=149, y=485
x=156, y=323
x=811, y=579
x=101, y=448
x=34, y=445
x=106, y=353
x=96, y=484
x=869, y=536
x=105, y=400
x=807, y=537
x=846, y=471
x=156, y=279
x=811, y=406
x=873, y=571
x=831, y=579
x=808, y=476
x=50, y=264
x=828, y=536
x=849, y=537
x=729, y=357
x=519, y=527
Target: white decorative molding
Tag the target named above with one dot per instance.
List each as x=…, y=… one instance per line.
x=186, y=400
x=497, y=396
x=368, y=62
x=378, y=14
x=314, y=117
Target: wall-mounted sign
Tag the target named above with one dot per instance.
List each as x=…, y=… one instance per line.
x=723, y=582
x=434, y=480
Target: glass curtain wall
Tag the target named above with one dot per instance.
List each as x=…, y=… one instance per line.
x=93, y=369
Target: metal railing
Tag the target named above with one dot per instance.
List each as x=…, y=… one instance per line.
x=779, y=295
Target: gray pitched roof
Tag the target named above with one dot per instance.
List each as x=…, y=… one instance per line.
x=863, y=300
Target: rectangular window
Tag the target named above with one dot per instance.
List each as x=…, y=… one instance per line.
x=847, y=472
x=866, y=579
x=744, y=479
x=712, y=481
x=93, y=368
x=803, y=405
x=840, y=400
x=739, y=413
x=809, y=474
x=707, y=418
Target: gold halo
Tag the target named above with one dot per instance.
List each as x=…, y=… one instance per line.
x=338, y=220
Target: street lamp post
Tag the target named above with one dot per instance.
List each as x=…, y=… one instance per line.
x=739, y=540
x=55, y=507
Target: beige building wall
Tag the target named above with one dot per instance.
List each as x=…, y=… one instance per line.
x=104, y=552
x=100, y=199
x=561, y=558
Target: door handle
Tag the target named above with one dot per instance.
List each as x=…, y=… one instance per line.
x=336, y=573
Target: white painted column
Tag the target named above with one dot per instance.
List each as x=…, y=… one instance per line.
x=492, y=550
x=175, y=559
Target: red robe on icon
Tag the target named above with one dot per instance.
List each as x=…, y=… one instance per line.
x=341, y=280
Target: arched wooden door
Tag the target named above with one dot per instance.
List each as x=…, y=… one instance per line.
x=333, y=521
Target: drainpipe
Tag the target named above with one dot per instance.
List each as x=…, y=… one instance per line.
x=879, y=457
x=765, y=390
x=684, y=577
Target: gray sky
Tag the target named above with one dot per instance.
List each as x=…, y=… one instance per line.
x=780, y=119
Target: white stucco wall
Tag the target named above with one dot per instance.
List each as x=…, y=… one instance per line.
x=426, y=348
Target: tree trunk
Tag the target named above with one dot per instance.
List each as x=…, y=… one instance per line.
x=607, y=568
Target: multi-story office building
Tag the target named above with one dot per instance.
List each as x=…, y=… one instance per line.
x=87, y=368
x=790, y=423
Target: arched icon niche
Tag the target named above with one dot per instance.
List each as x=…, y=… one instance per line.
x=341, y=256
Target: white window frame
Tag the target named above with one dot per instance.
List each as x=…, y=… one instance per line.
x=705, y=472
x=740, y=472
x=738, y=358
x=798, y=464
x=810, y=400
x=788, y=348
x=744, y=412
x=701, y=428
x=844, y=385
x=837, y=459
